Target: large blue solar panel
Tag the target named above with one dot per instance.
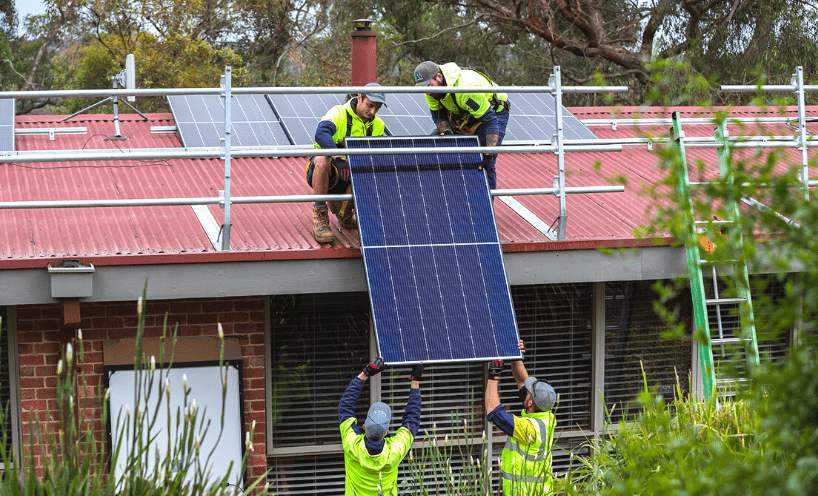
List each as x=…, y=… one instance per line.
x=433, y=259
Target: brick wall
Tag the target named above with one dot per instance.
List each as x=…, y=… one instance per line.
x=41, y=341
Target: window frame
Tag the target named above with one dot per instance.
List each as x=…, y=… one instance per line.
x=12, y=357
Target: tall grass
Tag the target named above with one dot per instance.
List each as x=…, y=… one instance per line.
x=75, y=459
x=433, y=467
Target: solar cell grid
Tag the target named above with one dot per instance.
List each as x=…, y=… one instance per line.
x=433, y=260
x=406, y=115
x=200, y=120
x=533, y=119
x=300, y=113
x=7, y=124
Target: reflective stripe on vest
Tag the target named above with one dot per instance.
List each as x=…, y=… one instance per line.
x=540, y=454
x=525, y=473
x=529, y=479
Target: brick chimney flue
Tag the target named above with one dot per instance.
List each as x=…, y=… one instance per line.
x=363, y=53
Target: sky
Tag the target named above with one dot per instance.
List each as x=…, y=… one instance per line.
x=28, y=7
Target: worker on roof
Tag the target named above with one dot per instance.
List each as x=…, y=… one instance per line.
x=331, y=175
x=484, y=114
x=525, y=464
x=372, y=456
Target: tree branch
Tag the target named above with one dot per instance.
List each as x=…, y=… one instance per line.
x=453, y=28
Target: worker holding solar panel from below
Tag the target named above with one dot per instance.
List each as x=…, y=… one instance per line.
x=525, y=463
x=331, y=175
x=372, y=455
x=481, y=114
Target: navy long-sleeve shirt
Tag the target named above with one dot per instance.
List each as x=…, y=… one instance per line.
x=505, y=420
x=349, y=400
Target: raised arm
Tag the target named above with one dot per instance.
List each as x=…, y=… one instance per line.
x=492, y=392
x=411, y=415
x=349, y=400
x=518, y=369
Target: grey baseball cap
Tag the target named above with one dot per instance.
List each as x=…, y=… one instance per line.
x=425, y=72
x=376, y=97
x=377, y=421
x=541, y=392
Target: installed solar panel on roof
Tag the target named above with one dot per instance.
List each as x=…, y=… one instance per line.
x=300, y=113
x=200, y=120
x=7, y=124
x=406, y=115
x=432, y=254
x=533, y=118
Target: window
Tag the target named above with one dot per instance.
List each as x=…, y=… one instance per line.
x=633, y=340
x=767, y=295
x=319, y=343
x=767, y=292
x=555, y=324
x=5, y=382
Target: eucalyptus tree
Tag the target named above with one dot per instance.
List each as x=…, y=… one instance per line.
x=612, y=41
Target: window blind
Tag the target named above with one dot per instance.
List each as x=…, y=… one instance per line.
x=633, y=340
x=5, y=383
x=730, y=359
x=450, y=392
x=318, y=344
x=312, y=474
x=555, y=324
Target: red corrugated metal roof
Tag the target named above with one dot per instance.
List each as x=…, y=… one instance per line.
x=127, y=235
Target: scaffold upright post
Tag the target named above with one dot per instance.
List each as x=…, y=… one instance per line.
x=798, y=81
x=560, y=151
x=225, y=244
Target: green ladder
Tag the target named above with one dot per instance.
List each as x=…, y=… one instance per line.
x=694, y=249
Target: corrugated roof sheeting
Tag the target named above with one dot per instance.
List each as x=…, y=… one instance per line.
x=640, y=166
x=82, y=232
x=287, y=227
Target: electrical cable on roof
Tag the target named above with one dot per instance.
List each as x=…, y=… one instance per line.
x=142, y=163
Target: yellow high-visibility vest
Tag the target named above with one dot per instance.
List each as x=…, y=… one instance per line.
x=365, y=472
x=526, y=459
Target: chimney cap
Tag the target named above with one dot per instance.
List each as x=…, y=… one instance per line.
x=363, y=24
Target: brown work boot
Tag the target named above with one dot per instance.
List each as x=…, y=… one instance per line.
x=320, y=225
x=346, y=219
x=344, y=210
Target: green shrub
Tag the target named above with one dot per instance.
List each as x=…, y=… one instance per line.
x=764, y=444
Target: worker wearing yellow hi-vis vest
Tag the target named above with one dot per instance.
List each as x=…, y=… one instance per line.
x=483, y=113
x=331, y=175
x=525, y=464
x=372, y=455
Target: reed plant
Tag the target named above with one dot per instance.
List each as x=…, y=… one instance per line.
x=75, y=460
x=449, y=465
